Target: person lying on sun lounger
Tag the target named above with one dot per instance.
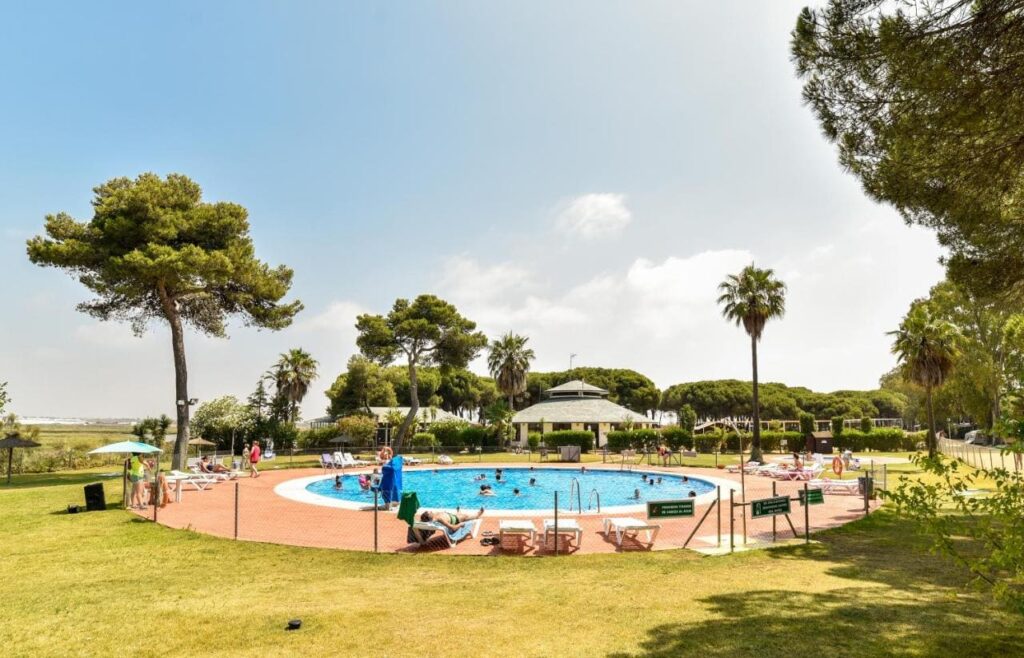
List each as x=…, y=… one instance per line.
x=206, y=467
x=450, y=520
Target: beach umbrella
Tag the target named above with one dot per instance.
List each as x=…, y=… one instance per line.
x=125, y=448
x=344, y=438
x=198, y=443
x=12, y=441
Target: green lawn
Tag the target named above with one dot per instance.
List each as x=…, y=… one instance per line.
x=108, y=583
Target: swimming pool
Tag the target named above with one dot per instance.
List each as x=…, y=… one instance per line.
x=459, y=487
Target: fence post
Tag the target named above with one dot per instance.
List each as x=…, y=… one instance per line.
x=774, y=493
x=236, y=509
x=155, y=491
x=807, y=517
x=718, y=512
x=732, y=522
x=556, y=523
x=885, y=477
x=376, y=508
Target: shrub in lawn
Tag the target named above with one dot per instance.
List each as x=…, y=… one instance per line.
x=677, y=438
x=707, y=443
x=424, y=440
x=533, y=440
x=581, y=438
x=865, y=425
x=837, y=426
x=475, y=435
x=447, y=432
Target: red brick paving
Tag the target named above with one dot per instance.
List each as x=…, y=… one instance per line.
x=267, y=517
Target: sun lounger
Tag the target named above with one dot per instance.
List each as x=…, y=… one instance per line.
x=516, y=534
x=326, y=462
x=198, y=481
x=566, y=527
x=629, y=528
x=423, y=532
x=412, y=461
x=749, y=467
x=829, y=486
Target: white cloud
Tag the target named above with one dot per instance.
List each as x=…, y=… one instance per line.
x=338, y=317
x=593, y=216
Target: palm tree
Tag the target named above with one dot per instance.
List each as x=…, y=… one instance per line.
x=509, y=361
x=751, y=298
x=292, y=374
x=926, y=348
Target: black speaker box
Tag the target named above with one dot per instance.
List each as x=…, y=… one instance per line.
x=95, y=500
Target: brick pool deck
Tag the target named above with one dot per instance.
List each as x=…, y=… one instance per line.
x=265, y=516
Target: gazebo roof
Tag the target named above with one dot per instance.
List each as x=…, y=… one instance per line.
x=578, y=410
x=577, y=386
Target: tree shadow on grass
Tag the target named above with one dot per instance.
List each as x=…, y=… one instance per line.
x=31, y=480
x=853, y=621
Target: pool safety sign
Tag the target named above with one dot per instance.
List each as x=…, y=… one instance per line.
x=814, y=497
x=665, y=509
x=769, y=506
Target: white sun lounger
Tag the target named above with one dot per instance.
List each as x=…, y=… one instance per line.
x=570, y=527
x=836, y=486
x=513, y=532
x=626, y=527
x=199, y=481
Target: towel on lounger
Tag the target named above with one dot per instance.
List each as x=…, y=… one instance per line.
x=407, y=508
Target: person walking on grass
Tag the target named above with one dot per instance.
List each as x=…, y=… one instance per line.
x=254, y=459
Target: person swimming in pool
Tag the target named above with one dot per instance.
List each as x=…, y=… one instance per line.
x=337, y=482
x=686, y=479
x=515, y=492
x=692, y=494
x=636, y=494
x=644, y=477
x=480, y=477
x=659, y=481
x=533, y=482
x=583, y=469
x=485, y=490
x=651, y=482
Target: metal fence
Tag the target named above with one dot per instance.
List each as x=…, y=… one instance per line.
x=981, y=457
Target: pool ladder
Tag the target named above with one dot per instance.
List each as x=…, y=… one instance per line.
x=575, y=486
x=590, y=499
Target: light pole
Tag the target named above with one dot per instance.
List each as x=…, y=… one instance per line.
x=571, y=357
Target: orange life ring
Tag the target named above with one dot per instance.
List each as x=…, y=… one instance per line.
x=837, y=465
x=385, y=453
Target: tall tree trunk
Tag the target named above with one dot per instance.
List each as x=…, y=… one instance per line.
x=170, y=308
x=511, y=402
x=755, y=447
x=932, y=443
x=414, y=407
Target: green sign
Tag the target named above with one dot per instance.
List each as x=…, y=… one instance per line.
x=814, y=497
x=769, y=506
x=664, y=509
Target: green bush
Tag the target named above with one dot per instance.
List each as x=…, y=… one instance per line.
x=677, y=438
x=865, y=425
x=880, y=439
x=533, y=440
x=581, y=438
x=447, y=432
x=837, y=426
x=475, y=435
x=424, y=440
x=317, y=438
x=707, y=443
x=648, y=440
x=806, y=423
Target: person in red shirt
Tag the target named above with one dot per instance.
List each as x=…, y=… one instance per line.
x=254, y=458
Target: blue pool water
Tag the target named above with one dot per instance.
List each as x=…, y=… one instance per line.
x=456, y=487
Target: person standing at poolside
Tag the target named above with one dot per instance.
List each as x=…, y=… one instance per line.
x=245, y=456
x=137, y=476
x=254, y=459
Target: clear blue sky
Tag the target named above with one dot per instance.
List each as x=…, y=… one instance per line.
x=583, y=172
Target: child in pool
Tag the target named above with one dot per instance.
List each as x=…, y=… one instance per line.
x=644, y=477
x=337, y=482
x=533, y=482
x=636, y=494
x=515, y=492
x=692, y=494
x=480, y=477
x=485, y=490
x=659, y=481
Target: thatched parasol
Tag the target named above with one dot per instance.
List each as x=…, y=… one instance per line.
x=12, y=441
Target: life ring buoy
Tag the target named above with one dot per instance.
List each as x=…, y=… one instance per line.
x=385, y=453
x=837, y=465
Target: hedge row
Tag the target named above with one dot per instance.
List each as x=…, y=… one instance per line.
x=581, y=438
x=878, y=439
